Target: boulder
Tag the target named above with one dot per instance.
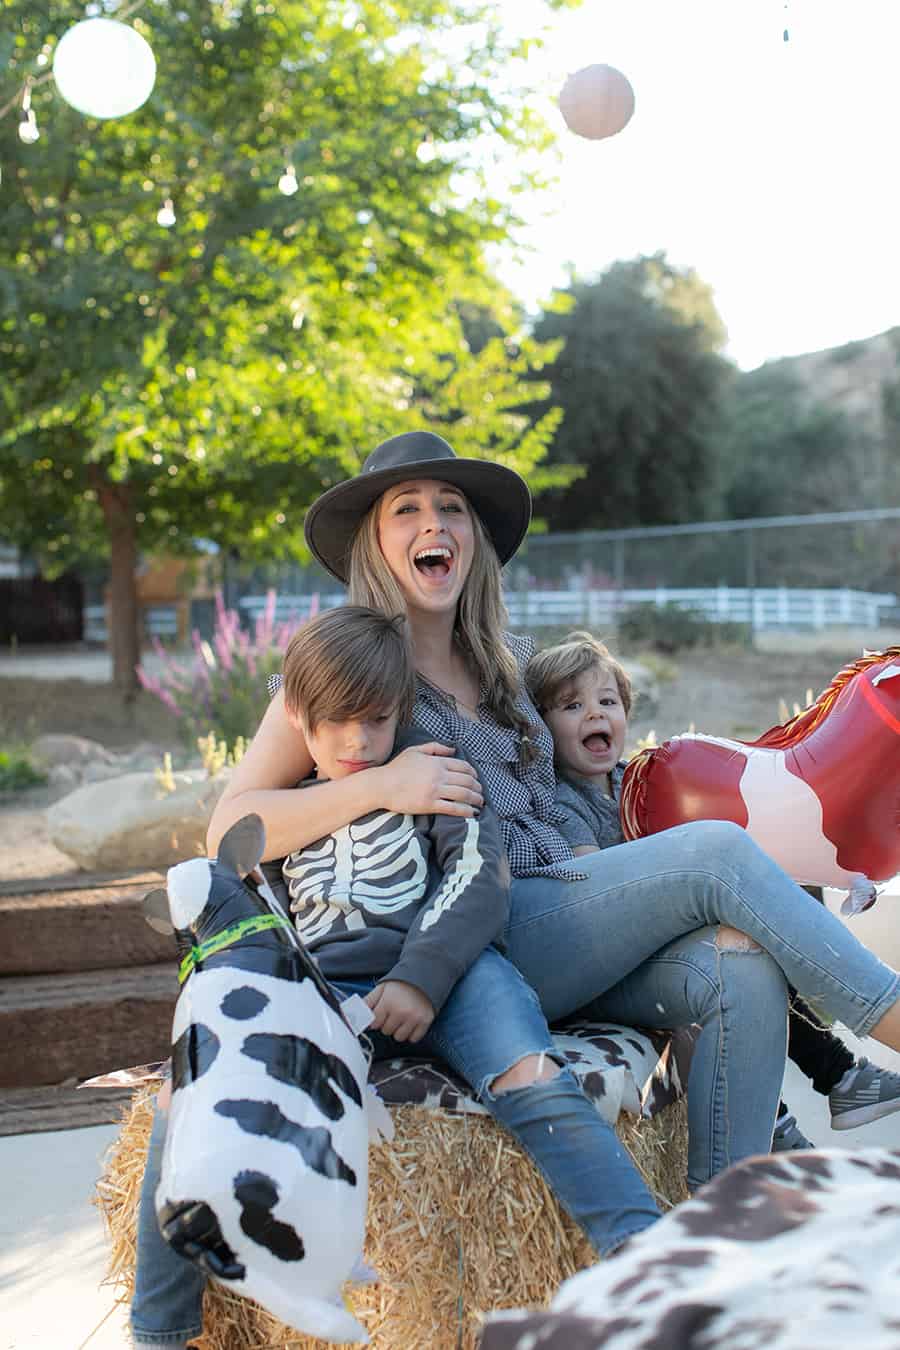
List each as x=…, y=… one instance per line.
x=131, y=821
x=73, y=751
x=71, y=760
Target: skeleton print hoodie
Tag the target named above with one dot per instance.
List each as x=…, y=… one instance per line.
x=401, y=897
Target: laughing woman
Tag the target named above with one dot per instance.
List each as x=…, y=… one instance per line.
x=695, y=925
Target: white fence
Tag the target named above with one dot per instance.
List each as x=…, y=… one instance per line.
x=779, y=607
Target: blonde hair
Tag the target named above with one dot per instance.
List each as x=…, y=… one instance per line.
x=554, y=670
x=349, y=662
x=481, y=616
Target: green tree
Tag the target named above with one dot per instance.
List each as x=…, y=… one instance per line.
x=783, y=453
x=639, y=380
x=209, y=378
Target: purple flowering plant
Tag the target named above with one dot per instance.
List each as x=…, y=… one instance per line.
x=223, y=688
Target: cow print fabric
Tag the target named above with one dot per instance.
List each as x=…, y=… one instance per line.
x=795, y=1251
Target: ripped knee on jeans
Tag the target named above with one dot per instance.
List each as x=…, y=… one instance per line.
x=528, y=1070
x=733, y=940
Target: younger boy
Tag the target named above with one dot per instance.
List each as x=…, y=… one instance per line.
x=584, y=695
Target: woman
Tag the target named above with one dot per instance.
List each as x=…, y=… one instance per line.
x=420, y=530
x=640, y=932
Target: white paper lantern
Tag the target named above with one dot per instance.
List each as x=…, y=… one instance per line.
x=287, y=183
x=596, y=102
x=104, y=68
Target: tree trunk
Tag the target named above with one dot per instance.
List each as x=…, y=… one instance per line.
x=125, y=621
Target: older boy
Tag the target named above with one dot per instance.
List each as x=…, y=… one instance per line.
x=584, y=695
x=396, y=908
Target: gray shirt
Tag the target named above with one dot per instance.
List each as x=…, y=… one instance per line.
x=590, y=817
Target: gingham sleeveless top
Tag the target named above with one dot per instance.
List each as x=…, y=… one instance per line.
x=522, y=796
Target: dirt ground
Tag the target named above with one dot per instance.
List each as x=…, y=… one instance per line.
x=31, y=707
x=723, y=692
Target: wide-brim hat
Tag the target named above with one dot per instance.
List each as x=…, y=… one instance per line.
x=499, y=495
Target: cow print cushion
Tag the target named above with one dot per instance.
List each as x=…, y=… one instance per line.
x=638, y=1072
x=786, y=1252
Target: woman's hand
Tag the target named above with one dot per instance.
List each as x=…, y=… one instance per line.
x=429, y=780
x=401, y=1010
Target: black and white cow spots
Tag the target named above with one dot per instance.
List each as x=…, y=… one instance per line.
x=796, y=1251
x=257, y=1196
x=293, y=1059
x=264, y=1179
x=266, y=1120
x=193, y=1054
x=243, y=1003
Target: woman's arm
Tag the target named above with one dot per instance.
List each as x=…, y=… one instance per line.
x=421, y=780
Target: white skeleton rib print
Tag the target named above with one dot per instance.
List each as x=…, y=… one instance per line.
x=378, y=861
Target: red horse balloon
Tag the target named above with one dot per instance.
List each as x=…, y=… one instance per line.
x=821, y=793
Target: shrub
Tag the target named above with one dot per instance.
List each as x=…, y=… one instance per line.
x=17, y=771
x=671, y=628
x=223, y=691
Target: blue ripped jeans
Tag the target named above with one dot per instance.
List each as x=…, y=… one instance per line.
x=490, y=1022
x=637, y=941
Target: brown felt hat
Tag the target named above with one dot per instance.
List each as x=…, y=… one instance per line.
x=499, y=495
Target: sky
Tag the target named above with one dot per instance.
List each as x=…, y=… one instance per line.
x=768, y=166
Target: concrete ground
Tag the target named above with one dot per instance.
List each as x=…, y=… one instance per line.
x=93, y=664
x=52, y=1244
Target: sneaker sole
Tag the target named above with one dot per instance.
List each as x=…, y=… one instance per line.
x=864, y=1115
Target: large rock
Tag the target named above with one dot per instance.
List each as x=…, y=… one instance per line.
x=131, y=821
x=71, y=760
x=71, y=751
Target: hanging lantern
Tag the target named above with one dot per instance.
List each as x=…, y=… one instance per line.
x=596, y=102
x=287, y=183
x=28, y=128
x=104, y=68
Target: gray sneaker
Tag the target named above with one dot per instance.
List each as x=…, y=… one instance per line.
x=788, y=1135
x=864, y=1093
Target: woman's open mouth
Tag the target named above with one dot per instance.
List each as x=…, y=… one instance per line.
x=434, y=562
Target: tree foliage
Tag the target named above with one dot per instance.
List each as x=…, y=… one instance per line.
x=207, y=380
x=783, y=452
x=639, y=381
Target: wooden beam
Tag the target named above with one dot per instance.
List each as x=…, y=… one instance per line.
x=70, y=1026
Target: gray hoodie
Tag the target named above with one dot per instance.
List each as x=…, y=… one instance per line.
x=401, y=897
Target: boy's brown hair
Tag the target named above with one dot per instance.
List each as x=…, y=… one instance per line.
x=551, y=672
x=349, y=662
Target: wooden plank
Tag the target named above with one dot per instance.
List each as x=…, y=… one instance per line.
x=58, y=1027
x=101, y=927
x=80, y=881
x=63, y=1107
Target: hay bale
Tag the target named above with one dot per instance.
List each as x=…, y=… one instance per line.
x=460, y=1222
